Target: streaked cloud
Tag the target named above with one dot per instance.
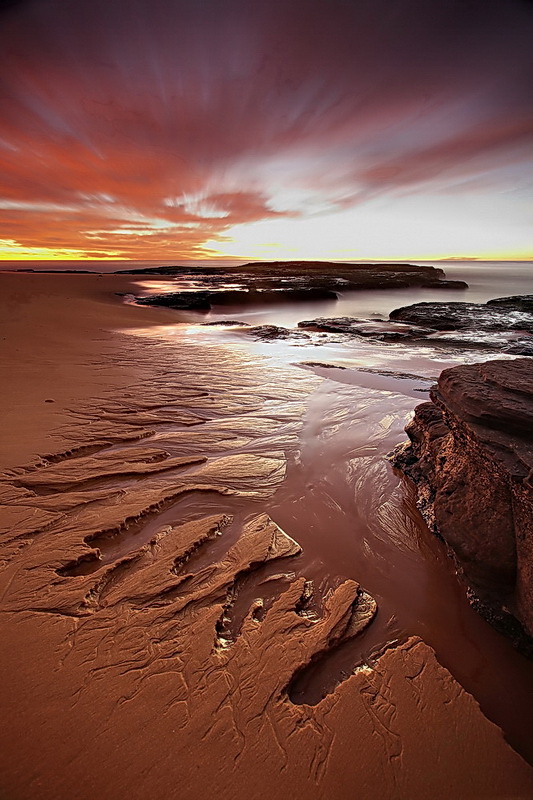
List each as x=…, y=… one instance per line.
x=180, y=128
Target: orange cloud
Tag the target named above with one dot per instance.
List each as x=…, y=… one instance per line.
x=148, y=129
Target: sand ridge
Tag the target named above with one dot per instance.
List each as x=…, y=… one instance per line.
x=133, y=654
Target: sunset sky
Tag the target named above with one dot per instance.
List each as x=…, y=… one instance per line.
x=330, y=129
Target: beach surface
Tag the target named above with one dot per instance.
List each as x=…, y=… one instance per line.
x=163, y=620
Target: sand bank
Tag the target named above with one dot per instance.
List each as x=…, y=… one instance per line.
x=59, y=342
x=153, y=624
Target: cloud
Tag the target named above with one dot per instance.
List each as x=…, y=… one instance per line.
x=203, y=114
x=469, y=152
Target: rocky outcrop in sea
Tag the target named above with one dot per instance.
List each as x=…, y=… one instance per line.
x=504, y=324
x=260, y=283
x=205, y=300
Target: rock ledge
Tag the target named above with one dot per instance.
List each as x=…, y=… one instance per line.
x=470, y=454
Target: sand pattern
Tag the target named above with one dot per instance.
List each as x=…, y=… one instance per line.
x=155, y=620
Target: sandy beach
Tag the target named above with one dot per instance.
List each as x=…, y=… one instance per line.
x=56, y=333
x=157, y=622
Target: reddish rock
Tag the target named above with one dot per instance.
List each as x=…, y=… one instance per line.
x=471, y=455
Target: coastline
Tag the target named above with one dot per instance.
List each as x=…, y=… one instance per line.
x=108, y=664
x=56, y=331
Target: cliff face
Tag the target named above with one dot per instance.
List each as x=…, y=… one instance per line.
x=471, y=456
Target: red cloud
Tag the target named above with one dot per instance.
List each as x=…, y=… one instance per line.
x=112, y=112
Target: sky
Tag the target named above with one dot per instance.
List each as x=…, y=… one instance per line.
x=288, y=129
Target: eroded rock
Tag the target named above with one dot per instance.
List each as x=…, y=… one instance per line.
x=517, y=302
x=504, y=325
x=368, y=328
x=205, y=300
x=311, y=273
x=270, y=332
x=513, y=314
x=471, y=457
x=275, y=282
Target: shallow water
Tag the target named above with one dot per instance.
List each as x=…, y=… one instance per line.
x=341, y=500
x=486, y=280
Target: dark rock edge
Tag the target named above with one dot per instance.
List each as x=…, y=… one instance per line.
x=471, y=465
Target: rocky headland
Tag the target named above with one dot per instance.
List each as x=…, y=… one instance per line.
x=470, y=454
x=313, y=272
x=268, y=282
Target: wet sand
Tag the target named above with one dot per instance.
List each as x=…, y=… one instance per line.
x=160, y=638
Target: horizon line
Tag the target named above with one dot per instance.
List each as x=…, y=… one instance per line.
x=449, y=260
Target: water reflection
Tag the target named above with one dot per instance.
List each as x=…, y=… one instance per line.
x=340, y=499
x=486, y=281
